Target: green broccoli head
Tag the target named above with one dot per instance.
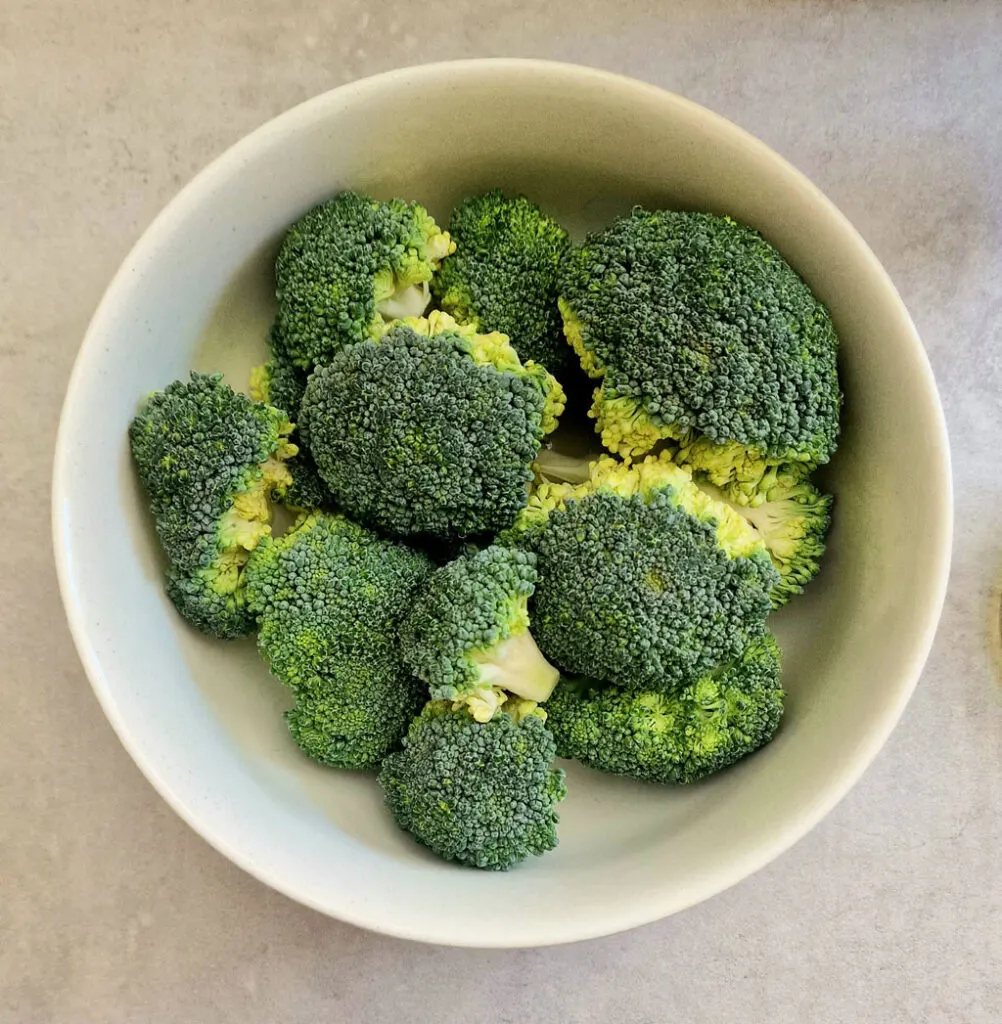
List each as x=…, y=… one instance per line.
x=644, y=580
x=430, y=430
x=503, y=274
x=481, y=793
x=348, y=264
x=647, y=734
x=702, y=335
x=329, y=596
x=467, y=633
x=282, y=385
x=792, y=517
x=208, y=458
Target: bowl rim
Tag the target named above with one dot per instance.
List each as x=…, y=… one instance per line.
x=937, y=555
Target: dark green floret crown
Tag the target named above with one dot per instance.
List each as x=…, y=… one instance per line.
x=503, y=275
x=345, y=262
x=197, y=445
x=700, y=331
x=415, y=436
x=643, y=580
x=482, y=794
x=464, y=609
x=329, y=596
x=208, y=458
x=467, y=633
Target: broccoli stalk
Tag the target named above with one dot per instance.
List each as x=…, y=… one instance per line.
x=516, y=666
x=792, y=517
x=553, y=467
x=402, y=289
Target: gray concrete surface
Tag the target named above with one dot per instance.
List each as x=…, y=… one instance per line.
x=112, y=910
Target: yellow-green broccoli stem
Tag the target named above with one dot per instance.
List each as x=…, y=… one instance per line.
x=402, y=291
x=249, y=517
x=281, y=384
x=515, y=667
x=553, y=467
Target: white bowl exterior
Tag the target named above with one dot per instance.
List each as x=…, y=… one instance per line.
x=201, y=720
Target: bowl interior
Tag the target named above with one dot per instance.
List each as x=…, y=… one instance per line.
x=203, y=719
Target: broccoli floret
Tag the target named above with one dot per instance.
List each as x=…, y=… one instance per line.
x=723, y=716
x=329, y=596
x=481, y=793
x=503, y=274
x=702, y=335
x=209, y=457
x=282, y=385
x=467, y=633
x=644, y=580
x=348, y=264
x=430, y=430
x=791, y=516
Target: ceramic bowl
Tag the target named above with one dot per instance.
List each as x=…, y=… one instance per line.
x=202, y=719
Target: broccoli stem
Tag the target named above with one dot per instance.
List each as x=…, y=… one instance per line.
x=518, y=666
x=557, y=468
x=411, y=300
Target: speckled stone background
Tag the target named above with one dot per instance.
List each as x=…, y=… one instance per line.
x=112, y=910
